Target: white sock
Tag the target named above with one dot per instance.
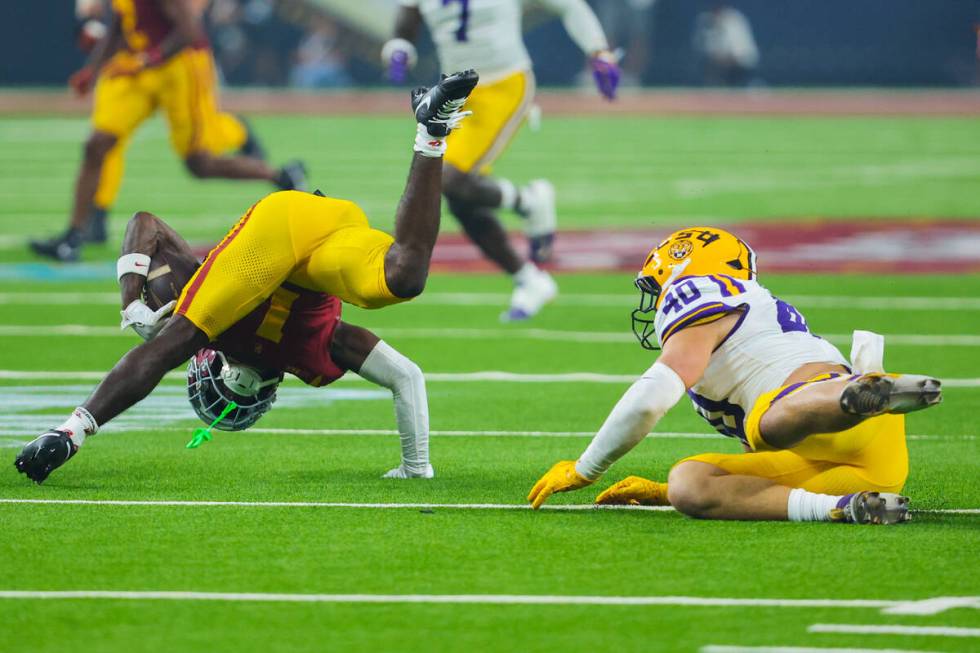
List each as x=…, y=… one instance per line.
x=508, y=194
x=526, y=273
x=810, y=506
x=388, y=368
x=79, y=425
x=428, y=145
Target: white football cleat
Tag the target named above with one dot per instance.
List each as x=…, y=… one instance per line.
x=876, y=394
x=533, y=288
x=881, y=508
x=402, y=472
x=538, y=209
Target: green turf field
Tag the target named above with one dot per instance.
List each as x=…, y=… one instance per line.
x=476, y=570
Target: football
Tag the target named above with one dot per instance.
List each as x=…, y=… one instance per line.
x=164, y=280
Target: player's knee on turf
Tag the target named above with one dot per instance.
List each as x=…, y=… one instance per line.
x=97, y=147
x=688, y=488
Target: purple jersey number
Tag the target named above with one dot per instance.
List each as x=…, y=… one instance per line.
x=789, y=318
x=464, y=17
x=680, y=295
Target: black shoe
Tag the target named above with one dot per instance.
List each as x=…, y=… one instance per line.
x=434, y=107
x=65, y=248
x=252, y=147
x=44, y=454
x=97, y=229
x=292, y=176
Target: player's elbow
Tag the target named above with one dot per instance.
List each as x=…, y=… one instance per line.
x=407, y=283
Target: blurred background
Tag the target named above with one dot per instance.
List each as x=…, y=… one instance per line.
x=742, y=43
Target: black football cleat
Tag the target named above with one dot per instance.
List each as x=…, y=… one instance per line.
x=46, y=453
x=65, y=248
x=434, y=107
x=252, y=147
x=97, y=229
x=292, y=176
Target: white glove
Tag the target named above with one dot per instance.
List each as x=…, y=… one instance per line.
x=402, y=472
x=144, y=320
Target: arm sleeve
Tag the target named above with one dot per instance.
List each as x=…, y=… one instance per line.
x=636, y=413
x=580, y=22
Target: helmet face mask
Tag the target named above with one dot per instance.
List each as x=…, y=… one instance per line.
x=213, y=382
x=643, y=316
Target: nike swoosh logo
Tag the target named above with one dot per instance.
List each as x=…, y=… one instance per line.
x=424, y=104
x=139, y=265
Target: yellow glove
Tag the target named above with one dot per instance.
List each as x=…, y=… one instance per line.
x=562, y=477
x=634, y=491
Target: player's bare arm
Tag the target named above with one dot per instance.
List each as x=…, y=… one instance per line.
x=148, y=235
x=681, y=365
x=186, y=30
x=399, y=54
x=83, y=80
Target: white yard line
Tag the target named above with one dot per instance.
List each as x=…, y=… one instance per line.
x=366, y=506
x=452, y=377
x=450, y=333
x=719, y=648
x=909, y=303
x=481, y=599
x=870, y=629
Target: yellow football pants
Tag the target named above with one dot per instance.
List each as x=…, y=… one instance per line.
x=186, y=88
x=870, y=456
x=498, y=109
x=318, y=243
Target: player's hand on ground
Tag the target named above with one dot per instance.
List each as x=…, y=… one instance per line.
x=144, y=320
x=82, y=81
x=403, y=471
x=562, y=477
x=634, y=491
x=605, y=72
x=44, y=454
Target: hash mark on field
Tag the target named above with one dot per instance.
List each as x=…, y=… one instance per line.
x=872, y=629
x=381, y=506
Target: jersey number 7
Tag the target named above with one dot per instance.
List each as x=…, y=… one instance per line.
x=464, y=17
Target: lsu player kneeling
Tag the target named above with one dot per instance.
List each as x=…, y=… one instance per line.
x=270, y=294
x=824, y=440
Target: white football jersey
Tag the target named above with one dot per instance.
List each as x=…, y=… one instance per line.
x=481, y=34
x=770, y=340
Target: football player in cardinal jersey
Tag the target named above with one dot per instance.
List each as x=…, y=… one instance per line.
x=824, y=438
x=486, y=35
x=268, y=296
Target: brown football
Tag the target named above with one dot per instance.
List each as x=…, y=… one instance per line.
x=165, y=280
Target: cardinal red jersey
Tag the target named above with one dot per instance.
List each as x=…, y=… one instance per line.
x=290, y=332
x=145, y=25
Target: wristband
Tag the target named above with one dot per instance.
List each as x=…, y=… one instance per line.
x=399, y=45
x=132, y=264
x=428, y=145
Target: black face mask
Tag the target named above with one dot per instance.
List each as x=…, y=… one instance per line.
x=645, y=314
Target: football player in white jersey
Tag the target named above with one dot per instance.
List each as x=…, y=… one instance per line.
x=824, y=439
x=486, y=35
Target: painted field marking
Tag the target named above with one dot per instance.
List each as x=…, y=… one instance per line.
x=482, y=599
x=452, y=377
x=935, y=605
x=574, y=507
x=872, y=629
x=719, y=648
x=450, y=333
x=909, y=303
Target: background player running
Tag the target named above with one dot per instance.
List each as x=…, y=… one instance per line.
x=154, y=55
x=824, y=444
x=288, y=239
x=486, y=34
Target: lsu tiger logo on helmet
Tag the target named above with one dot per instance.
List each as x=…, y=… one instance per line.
x=695, y=251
